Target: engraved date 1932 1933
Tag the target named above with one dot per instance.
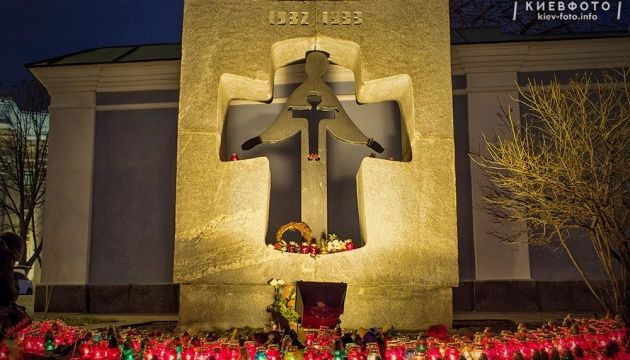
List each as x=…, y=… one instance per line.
x=325, y=18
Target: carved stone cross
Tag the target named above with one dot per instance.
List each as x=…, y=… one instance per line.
x=313, y=117
x=313, y=109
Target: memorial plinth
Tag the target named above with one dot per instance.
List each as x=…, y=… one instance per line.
x=398, y=50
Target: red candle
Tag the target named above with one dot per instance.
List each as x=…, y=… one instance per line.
x=188, y=354
x=310, y=337
x=224, y=352
x=250, y=348
x=112, y=353
x=354, y=353
x=4, y=351
x=433, y=353
x=170, y=354
x=391, y=351
x=310, y=353
x=28, y=344
x=98, y=352
x=235, y=352
x=273, y=352
x=38, y=346
x=304, y=249
x=203, y=354
x=452, y=352
x=326, y=353
x=86, y=351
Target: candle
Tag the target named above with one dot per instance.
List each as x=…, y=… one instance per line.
x=235, y=352
x=250, y=349
x=325, y=353
x=273, y=352
x=291, y=353
x=261, y=354
x=224, y=351
x=391, y=351
x=4, y=351
x=452, y=352
x=310, y=353
x=310, y=338
x=354, y=353
x=305, y=248
x=86, y=350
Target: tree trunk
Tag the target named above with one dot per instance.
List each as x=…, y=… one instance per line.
x=24, y=236
x=35, y=256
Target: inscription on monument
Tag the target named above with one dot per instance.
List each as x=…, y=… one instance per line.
x=342, y=18
x=326, y=18
x=288, y=18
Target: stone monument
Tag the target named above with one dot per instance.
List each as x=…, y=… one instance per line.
x=398, y=51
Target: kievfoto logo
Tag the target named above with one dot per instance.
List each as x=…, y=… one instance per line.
x=568, y=10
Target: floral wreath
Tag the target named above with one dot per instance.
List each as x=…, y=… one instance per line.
x=301, y=227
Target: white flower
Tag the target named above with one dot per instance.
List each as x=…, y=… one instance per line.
x=276, y=282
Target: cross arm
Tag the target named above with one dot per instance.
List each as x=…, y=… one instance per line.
x=282, y=128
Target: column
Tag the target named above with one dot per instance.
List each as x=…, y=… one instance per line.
x=69, y=188
x=487, y=91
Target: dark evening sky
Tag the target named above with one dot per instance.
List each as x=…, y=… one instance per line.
x=32, y=30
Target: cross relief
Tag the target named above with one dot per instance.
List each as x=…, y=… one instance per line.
x=313, y=110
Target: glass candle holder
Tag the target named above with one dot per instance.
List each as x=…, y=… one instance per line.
x=261, y=353
x=291, y=353
x=273, y=352
x=310, y=353
x=5, y=352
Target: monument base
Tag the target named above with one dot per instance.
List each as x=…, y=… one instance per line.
x=206, y=307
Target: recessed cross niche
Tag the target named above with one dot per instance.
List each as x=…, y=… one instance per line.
x=315, y=140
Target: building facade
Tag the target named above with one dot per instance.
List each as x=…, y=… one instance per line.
x=110, y=201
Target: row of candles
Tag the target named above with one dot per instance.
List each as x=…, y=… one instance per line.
x=315, y=249
x=583, y=338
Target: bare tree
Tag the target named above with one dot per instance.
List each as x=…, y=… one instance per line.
x=564, y=169
x=23, y=152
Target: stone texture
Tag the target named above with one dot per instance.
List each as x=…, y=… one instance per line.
x=224, y=306
x=404, y=273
